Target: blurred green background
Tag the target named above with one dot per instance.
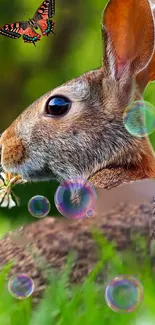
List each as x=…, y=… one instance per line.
x=27, y=72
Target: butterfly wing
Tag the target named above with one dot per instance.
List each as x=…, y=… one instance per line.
x=11, y=30
x=42, y=15
x=20, y=28
x=29, y=35
x=45, y=11
x=46, y=26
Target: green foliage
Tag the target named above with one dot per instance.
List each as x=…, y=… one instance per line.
x=64, y=304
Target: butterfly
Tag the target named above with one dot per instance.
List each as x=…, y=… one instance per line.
x=27, y=28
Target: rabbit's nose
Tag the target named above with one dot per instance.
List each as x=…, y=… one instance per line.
x=12, y=149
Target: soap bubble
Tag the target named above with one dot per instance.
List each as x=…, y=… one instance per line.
x=75, y=197
x=139, y=118
x=90, y=213
x=124, y=294
x=20, y=286
x=39, y=206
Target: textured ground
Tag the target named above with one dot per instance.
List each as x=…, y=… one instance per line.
x=46, y=243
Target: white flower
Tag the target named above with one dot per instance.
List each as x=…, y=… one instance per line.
x=7, y=201
x=7, y=197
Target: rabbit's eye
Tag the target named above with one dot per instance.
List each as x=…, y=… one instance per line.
x=58, y=106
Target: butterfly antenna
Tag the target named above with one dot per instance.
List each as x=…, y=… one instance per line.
x=53, y=32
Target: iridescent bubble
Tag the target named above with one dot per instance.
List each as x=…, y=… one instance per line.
x=39, y=206
x=75, y=197
x=20, y=286
x=90, y=213
x=139, y=118
x=124, y=294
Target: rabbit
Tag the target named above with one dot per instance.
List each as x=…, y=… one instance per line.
x=76, y=130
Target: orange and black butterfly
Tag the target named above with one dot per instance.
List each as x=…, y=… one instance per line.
x=27, y=28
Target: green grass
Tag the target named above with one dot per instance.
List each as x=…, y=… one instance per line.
x=82, y=304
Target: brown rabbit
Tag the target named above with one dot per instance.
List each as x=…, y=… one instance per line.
x=77, y=129
x=87, y=138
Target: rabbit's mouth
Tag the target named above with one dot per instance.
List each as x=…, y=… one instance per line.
x=36, y=175
x=29, y=174
x=27, y=171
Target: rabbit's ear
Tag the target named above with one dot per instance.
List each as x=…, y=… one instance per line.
x=148, y=74
x=128, y=32
x=151, y=69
